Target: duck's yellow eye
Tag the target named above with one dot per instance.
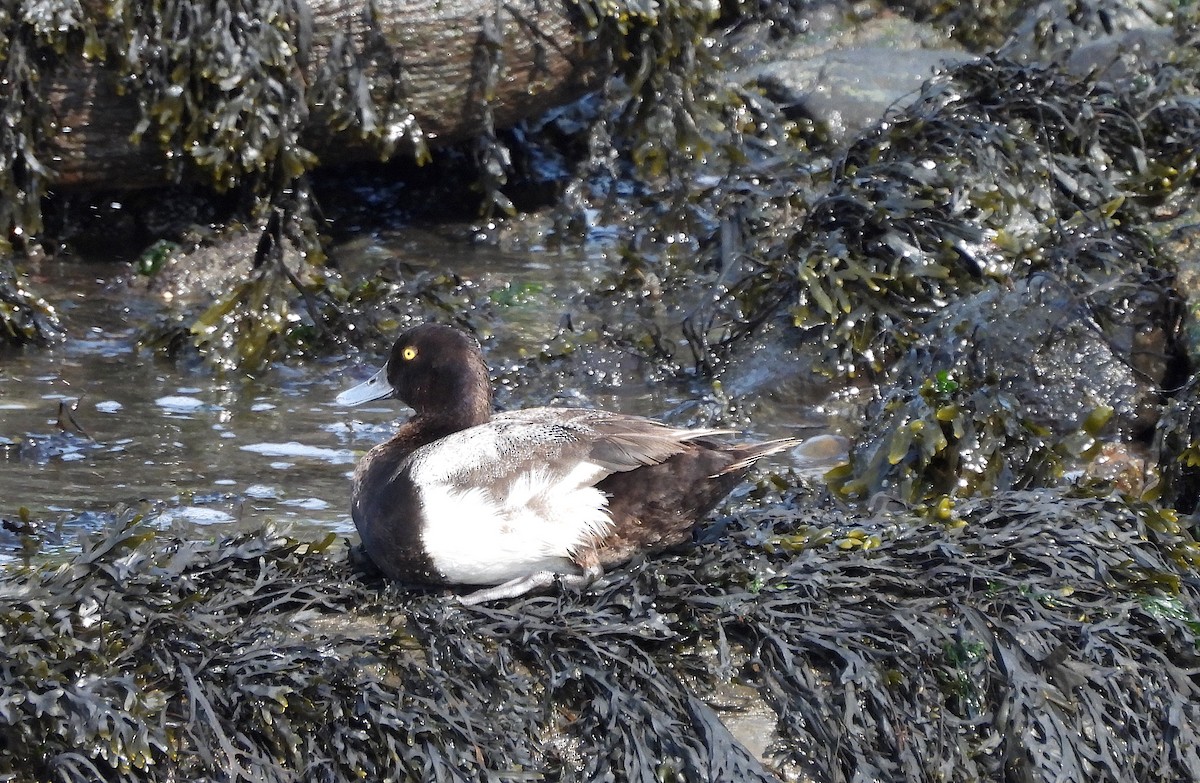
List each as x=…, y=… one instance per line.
x=409, y=353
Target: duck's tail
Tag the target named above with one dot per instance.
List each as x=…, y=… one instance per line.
x=748, y=453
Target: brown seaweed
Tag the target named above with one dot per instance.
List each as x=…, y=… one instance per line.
x=1035, y=636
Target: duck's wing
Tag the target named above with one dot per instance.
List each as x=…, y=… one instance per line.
x=614, y=441
x=583, y=444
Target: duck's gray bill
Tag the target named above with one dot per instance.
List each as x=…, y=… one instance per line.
x=374, y=388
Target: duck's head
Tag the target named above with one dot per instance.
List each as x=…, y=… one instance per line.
x=436, y=370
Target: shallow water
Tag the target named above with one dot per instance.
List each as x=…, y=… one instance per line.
x=182, y=443
x=158, y=437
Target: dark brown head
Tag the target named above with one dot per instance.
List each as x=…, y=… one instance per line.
x=436, y=370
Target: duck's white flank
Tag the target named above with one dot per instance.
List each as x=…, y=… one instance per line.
x=535, y=522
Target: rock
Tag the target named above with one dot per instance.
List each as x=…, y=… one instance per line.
x=846, y=75
x=211, y=267
x=1119, y=56
x=1090, y=34
x=1177, y=449
x=1059, y=353
x=851, y=89
x=1004, y=388
x=1183, y=245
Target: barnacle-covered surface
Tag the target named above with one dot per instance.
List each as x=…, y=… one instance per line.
x=1038, y=635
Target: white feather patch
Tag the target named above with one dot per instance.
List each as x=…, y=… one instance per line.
x=539, y=522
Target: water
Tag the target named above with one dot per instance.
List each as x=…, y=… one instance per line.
x=182, y=444
x=161, y=438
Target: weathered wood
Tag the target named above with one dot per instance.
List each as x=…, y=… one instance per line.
x=544, y=56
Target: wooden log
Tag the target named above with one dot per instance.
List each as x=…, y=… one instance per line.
x=540, y=46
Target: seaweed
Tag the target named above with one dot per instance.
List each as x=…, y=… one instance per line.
x=217, y=87
x=28, y=37
x=176, y=657
x=1177, y=450
x=1005, y=641
x=25, y=317
x=962, y=190
x=1016, y=387
x=1038, y=636
x=366, y=90
x=999, y=176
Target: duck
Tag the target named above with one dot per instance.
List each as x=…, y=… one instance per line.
x=512, y=502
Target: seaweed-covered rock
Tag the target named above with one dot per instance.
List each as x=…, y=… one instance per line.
x=1012, y=387
x=1080, y=32
x=247, y=283
x=202, y=268
x=974, y=184
x=1033, y=635
x=25, y=317
x=1046, y=31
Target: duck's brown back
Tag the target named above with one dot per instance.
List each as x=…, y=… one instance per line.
x=656, y=507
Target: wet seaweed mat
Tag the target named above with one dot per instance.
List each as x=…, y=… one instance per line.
x=1032, y=636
